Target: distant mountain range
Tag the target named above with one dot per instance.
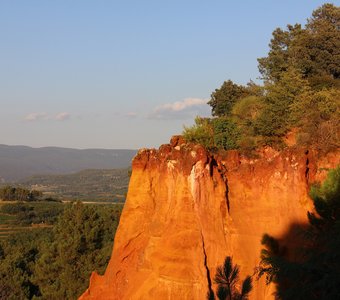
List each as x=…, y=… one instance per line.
x=19, y=162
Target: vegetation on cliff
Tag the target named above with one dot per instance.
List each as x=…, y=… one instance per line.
x=301, y=89
x=313, y=272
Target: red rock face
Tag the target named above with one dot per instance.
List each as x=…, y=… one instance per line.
x=187, y=210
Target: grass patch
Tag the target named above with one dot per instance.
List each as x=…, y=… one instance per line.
x=6, y=218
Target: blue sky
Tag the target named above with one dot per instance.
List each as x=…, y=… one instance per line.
x=125, y=74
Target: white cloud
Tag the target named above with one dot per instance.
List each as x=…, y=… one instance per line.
x=185, y=109
x=36, y=116
x=62, y=116
x=131, y=114
x=42, y=116
x=181, y=105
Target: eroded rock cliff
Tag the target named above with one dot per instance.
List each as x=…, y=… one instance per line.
x=186, y=210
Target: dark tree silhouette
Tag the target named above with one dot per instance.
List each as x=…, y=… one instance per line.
x=227, y=278
x=311, y=270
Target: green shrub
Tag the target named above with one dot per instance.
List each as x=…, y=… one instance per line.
x=213, y=133
x=226, y=133
x=201, y=132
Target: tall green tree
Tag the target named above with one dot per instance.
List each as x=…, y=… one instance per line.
x=275, y=118
x=317, y=114
x=314, y=50
x=322, y=42
x=18, y=256
x=223, y=99
x=56, y=263
x=82, y=243
x=277, y=62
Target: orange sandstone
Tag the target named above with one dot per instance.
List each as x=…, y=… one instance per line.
x=186, y=210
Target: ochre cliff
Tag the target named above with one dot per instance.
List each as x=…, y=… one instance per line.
x=187, y=210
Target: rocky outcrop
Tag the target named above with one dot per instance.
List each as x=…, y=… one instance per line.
x=186, y=210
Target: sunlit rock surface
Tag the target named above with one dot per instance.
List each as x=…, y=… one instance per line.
x=186, y=210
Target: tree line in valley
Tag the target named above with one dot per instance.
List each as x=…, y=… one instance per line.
x=11, y=193
x=300, y=92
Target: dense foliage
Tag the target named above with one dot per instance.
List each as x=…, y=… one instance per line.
x=56, y=263
x=313, y=272
x=300, y=91
x=33, y=213
x=314, y=50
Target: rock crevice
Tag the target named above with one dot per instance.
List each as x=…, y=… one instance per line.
x=206, y=265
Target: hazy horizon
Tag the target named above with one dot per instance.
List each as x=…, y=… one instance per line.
x=76, y=148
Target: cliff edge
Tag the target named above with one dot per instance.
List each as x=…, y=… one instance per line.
x=186, y=210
